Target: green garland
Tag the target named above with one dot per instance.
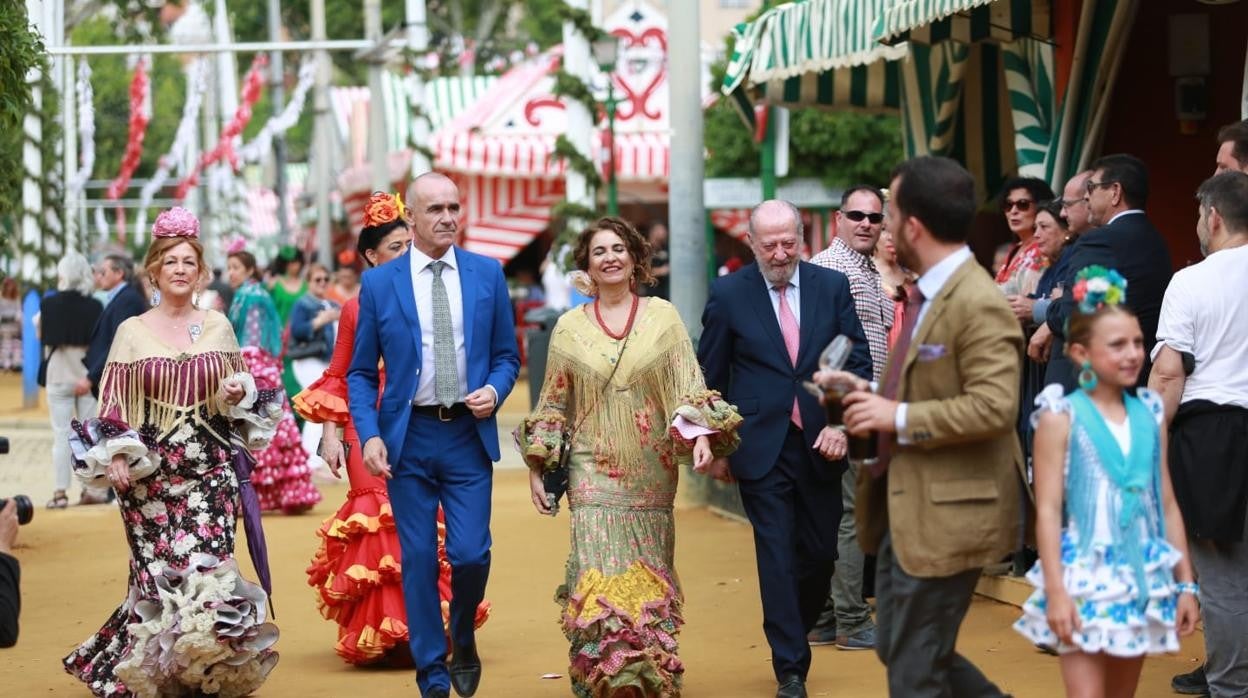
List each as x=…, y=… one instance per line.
x=577, y=161
x=581, y=19
x=571, y=87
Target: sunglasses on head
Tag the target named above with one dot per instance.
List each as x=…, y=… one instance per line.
x=858, y=216
x=1023, y=205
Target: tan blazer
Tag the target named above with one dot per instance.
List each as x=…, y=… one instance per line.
x=951, y=496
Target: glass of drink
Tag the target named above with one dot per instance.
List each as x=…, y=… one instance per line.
x=833, y=359
x=864, y=450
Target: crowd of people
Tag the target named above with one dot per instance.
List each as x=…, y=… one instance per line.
x=1082, y=392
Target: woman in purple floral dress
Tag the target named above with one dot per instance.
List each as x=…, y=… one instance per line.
x=178, y=411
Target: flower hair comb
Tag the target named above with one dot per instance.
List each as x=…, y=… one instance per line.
x=383, y=208
x=176, y=222
x=1096, y=287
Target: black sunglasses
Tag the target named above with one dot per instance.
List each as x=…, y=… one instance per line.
x=1023, y=205
x=858, y=216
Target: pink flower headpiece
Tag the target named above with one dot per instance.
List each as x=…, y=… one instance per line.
x=177, y=222
x=238, y=244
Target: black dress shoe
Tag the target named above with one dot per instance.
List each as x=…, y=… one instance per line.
x=1192, y=683
x=465, y=670
x=792, y=686
x=438, y=692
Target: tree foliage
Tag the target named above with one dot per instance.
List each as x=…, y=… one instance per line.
x=842, y=148
x=21, y=50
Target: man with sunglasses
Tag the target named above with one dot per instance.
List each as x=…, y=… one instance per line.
x=846, y=619
x=1123, y=239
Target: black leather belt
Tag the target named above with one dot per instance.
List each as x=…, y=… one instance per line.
x=444, y=414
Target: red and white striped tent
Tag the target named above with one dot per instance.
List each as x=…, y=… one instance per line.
x=502, y=148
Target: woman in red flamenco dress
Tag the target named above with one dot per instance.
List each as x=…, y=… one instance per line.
x=357, y=569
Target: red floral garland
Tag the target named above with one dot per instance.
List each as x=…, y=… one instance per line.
x=253, y=83
x=139, y=118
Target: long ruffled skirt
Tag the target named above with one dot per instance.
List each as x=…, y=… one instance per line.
x=282, y=478
x=622, y=603
x=357, y=572
x=1105, y=592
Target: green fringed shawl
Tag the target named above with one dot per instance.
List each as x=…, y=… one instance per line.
x=255, y=319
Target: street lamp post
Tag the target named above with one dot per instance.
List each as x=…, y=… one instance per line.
x=606, y=51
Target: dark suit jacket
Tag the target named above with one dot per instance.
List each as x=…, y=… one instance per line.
x=128, y=303
x=743, y=356
x=10, y=599
x=1134, y=247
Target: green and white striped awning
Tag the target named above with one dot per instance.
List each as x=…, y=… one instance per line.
x=819, y=53
x=966, y=21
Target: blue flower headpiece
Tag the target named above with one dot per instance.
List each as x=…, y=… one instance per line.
x=1096, y=287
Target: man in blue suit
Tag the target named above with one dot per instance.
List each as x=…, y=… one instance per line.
x=763, y=330
x=441, y=319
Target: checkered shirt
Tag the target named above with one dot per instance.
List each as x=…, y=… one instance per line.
x=875, y=309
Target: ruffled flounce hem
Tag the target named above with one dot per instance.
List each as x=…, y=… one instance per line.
x=357, y=575
x=708, y=410
x=323, y=401
x=539, y=439
x=359, y=553
x=1103, y=587
x=622, y=630
x=205, y=631
x=281, y=477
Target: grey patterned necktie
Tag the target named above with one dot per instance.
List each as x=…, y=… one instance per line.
x=445, y=371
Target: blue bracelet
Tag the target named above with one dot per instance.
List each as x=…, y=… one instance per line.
x=1187, y=588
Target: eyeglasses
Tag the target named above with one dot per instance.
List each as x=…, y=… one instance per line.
x=858, y=216
x=320, y=279
x=1069, y=203
x=1023, y=205
x=1091, y=186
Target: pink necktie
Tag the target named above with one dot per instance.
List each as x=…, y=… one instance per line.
x=792, y=336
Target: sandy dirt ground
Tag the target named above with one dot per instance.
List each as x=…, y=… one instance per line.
x=74, y=567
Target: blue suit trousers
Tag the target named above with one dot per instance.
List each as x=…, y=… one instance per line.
x=442, y=462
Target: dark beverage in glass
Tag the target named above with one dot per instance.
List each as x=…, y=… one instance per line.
x=863, y=450
x=832, y=398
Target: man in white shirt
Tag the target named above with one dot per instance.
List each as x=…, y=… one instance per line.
x=441, y=319
x=1201, y=371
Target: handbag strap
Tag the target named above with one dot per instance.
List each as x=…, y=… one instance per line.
x=602, y=392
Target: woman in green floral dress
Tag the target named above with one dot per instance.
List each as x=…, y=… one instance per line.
x=621, y=602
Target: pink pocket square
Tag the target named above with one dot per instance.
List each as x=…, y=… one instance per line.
x=931, y=352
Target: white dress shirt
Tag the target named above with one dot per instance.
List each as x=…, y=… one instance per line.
x=422, y=284
x=930, y=285
x=1124, y=213
x=792, y=293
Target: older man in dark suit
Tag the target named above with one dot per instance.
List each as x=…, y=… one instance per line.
x=763, y=330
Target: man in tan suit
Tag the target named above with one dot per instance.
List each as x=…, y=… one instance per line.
x=943, y=500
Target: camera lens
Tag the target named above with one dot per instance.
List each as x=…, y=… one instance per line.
x=25, y=508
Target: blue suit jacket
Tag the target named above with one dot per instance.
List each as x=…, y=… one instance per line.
x=743, y=356
x=389, y=329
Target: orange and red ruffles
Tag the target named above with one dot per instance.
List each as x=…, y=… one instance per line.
x=357, y=574
x=325, y=400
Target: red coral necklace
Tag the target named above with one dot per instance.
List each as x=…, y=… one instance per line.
x=632, y=314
